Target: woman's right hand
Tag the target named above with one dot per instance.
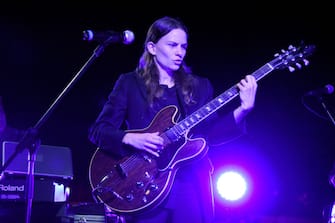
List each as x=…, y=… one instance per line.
x=149, y=142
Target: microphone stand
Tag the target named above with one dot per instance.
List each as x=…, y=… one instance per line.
x=325, y=107
x=331, y=177
x=31, y=140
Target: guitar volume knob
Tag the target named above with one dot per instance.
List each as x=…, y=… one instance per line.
x=139, y=184
x=130, y=197
x=154, y=186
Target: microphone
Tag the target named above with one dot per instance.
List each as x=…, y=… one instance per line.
x=125, y=37
x=326, y=90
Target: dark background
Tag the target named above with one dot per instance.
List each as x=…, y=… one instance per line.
x=288, y=146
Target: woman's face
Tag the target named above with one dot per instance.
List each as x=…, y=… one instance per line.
x=170, y=50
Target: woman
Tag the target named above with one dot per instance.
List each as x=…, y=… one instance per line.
x=162, y=79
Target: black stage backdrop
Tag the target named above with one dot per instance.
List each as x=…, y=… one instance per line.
x=42, y=49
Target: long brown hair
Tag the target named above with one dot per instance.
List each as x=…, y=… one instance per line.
x=148, y=71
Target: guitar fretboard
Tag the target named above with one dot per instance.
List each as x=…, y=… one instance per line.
x=288, y=59
x=205, y=111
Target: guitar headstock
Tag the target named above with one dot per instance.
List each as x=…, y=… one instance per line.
x=293, y=57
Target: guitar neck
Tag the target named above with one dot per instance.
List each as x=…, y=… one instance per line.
x=206, y=110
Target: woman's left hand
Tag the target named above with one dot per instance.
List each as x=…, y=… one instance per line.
x=248, y=89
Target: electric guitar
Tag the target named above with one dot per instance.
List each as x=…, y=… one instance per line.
x=140, y=182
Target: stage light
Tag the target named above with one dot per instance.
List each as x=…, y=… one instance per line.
x=231, y=185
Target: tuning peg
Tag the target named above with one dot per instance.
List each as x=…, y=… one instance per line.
x=298, y=65
x=292, y=48
x=306, y=62
x=291, y=69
